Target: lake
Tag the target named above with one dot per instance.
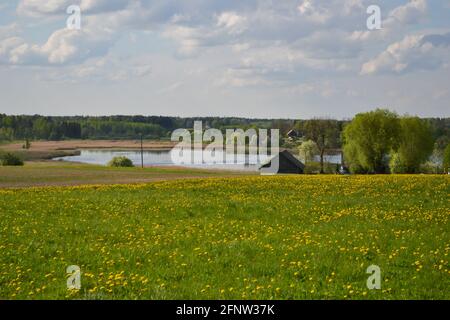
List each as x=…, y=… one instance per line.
x=164, y=158
x=155, y=158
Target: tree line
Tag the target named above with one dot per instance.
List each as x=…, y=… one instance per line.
x=379, y=141
x=61, y=128
x=36, y=127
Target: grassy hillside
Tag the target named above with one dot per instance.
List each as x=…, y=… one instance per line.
x=304, y=237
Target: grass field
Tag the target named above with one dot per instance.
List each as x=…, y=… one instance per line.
x=54, y=173
x=302, y=237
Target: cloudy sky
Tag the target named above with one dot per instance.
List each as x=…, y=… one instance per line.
x=252, y=58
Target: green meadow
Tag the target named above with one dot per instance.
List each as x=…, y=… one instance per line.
x=283, y=237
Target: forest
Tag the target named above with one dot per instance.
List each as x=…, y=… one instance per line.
x=38, y=127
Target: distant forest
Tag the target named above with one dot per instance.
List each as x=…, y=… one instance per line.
x=38, y=127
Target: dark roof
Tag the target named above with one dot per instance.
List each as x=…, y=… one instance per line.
x=287, y=163
x=292, y=159
x=293, y=133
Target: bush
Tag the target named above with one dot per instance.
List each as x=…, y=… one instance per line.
x=9, y=159
x=446, y=162
x=431, y=168
x=397, y=167
x=314, y=168
x=120, y=162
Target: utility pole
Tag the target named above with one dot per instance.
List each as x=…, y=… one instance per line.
x=142, y=153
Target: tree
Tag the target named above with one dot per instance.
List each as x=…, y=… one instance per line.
x=27, y=144
x=369, y=139
x=395, y=164
x=415, y=147
x=447, y=159
x=325, y=133
x=6, y=134
x=283, y=125
x=351, y=158
x=41, y=128
x=308, y=149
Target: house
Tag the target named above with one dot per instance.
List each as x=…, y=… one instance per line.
x=293, y=134
x=287, y=164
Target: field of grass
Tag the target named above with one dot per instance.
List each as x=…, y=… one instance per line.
x=54, y=173
x=283, y=237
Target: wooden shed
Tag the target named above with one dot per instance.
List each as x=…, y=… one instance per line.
x=287, y=164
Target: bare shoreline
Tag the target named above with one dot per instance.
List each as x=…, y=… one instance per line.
x=90, y=144
x=47, y=150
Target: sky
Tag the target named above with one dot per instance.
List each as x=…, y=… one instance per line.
x=249, y=58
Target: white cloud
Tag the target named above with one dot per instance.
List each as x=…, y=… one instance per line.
x=7, y=46
x=277, y=66
x=414, y=52
x=333, y=44
x=9, y=30
x=396, y=22
x=200, y=26
x=323, y=89
x=241, y=78
x=39, y=8
x=104, y=68
x=232, y=22
x=323, y=11
x=296, y=45
x=192, y=40
x=313, y=12
x=102, y=6
x=409, y=13
x=62, y=47
x=171, y=88
x=189, y=39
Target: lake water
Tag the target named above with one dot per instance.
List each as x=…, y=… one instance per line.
x=332, y=158
x=160, y=158
x=164, y=158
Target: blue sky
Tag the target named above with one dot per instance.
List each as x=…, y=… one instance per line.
x=251, y=58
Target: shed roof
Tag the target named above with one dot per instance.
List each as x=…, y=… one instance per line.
x=287, y=156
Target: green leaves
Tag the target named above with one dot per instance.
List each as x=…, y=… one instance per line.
x=369, y=139
x=415, y=145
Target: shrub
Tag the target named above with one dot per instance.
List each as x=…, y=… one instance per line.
x=431, y=168
x=314, y=168
x=446, y=161
x=120, y=162
x=9, y=159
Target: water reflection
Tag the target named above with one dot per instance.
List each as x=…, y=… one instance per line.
x=163, y=158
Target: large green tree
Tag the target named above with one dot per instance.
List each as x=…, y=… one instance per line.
x=369, y=139
x=415, y=145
